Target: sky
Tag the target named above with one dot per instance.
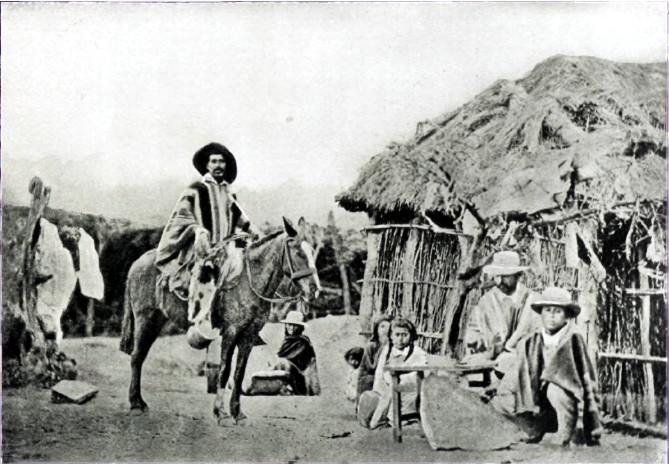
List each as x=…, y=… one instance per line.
x=304, y=92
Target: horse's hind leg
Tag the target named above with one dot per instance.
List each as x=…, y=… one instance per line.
x=147, y=329
x=228, y=339
x=243, y=352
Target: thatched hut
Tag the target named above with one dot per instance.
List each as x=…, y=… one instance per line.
x=566, y=165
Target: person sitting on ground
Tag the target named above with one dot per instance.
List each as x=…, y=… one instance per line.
x=554, y=375
x=400, y=351
x=370, y=358
x=353, y=357
x=297, y=357
x=503, y=315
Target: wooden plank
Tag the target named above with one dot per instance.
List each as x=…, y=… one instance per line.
x=411, y=226
x=414, y=282
x=632, y=357
x=645, y=292
x=649, y=390
x=436, y=335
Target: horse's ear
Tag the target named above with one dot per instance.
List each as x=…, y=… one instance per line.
x=303, y=227
x=288, y=226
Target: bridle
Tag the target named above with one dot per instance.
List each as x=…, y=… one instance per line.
x=294, y=276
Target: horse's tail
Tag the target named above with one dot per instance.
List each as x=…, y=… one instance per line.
x=128, y=324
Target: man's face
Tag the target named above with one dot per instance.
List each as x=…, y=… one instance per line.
x=216, y=167
x=508, y=283
x=553, y=318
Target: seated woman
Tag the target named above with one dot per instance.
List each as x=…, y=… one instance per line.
x=370, y=356
x=401, y=351
x=298, y=358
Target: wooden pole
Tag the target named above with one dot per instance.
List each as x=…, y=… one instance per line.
x=40, y=198
x=346, y=290
x=651, y=406
x=367, y=295
x=90, y=317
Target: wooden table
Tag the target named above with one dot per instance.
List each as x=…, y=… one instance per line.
x=484, y=368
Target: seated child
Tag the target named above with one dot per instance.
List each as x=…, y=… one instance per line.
x=370, y=357
x=353, y=358
x=553, y=375
x=400, y=351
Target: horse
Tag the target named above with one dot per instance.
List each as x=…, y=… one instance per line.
x=239, y=312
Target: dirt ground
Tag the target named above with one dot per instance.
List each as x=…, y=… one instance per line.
x=180, y=425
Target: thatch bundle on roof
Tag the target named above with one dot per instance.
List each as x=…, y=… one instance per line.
x=567, y=166
x=574, y=127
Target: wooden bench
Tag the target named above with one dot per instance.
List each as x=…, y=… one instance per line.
x=461, y=370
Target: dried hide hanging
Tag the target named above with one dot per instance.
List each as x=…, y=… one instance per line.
x=89, y=275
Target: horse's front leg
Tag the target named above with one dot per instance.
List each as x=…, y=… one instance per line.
x=227, y=350
x=243, y=352
x=146, y=331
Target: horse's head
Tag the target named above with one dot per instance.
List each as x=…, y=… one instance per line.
x=204, y=277
x=299, y=263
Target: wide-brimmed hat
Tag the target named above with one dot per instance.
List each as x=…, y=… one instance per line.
x=201, y=158
x=505, y=263
x=554, y=296
x=294, y=317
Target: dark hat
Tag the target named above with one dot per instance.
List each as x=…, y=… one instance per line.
x=554, y=296
x=201, y=158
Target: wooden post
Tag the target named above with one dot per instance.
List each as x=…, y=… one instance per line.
x=40, y=198
x=346, y=290
x=367, y=294
x=90, y=317
x=651, y=407
x=408, y=276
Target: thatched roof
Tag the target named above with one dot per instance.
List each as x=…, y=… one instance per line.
x=574, y=127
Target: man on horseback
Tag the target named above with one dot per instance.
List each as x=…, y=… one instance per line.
x=206, y=215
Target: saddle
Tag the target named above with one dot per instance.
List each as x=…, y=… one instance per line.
x=228, y=272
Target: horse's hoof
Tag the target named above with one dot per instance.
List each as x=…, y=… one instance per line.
x=138, y=411
x=225, y=421
x=240, y=419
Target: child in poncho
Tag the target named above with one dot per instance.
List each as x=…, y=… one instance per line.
x=553, y=375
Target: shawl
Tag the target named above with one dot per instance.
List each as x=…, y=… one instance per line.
x=196, y=210
x=298, y=350
x=500, y=321
x=570, y=369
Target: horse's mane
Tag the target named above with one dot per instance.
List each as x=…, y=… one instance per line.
x=265, y=239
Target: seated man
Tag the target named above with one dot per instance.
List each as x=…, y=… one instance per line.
x=503, y=314
x=553, y=375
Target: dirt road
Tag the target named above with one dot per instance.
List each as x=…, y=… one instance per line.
x=180, y=425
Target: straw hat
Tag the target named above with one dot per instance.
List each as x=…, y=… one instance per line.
x=294, y=317
x=554, y=296
x=505, y=263
x=201, y=158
